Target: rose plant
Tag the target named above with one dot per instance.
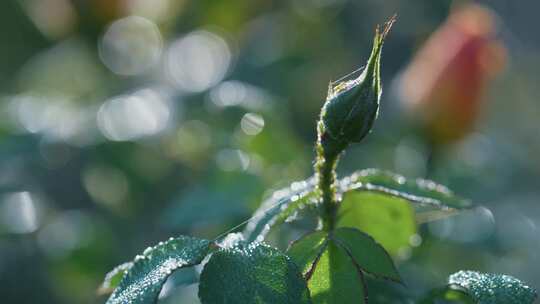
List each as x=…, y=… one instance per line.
x=330, y=264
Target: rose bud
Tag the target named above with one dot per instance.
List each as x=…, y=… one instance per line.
x=443, y=85
x=352, y=106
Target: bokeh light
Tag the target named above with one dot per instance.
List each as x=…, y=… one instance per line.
x=143, y=113
x=198, y=61
x=131, y=45
x=19, y=213
x=237, y=93
x=107, y=186
x=66, y=232
x=231, y=159
x=54, y=18
x=252, y=124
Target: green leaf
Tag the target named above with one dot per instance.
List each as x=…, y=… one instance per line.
x=367, y=253
x=113, y=278
x=334, y=265
x=305, y=251
x=252, y=273
x=450, y=294
x=143, y=281
x=424, y=192
x=389, y=220
x=487, y=288
x=276, y=209
x=335, y=279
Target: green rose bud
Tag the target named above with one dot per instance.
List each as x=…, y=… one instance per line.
x=352, y=106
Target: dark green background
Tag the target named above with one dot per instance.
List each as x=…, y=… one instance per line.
x=97, y=202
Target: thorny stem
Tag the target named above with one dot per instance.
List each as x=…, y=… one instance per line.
x=328, y=151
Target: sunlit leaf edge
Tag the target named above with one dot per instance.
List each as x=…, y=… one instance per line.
x=428, y=192
x=286, y=201
x=113, y=278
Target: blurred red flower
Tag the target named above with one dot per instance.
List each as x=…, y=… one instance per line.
x=443, y=85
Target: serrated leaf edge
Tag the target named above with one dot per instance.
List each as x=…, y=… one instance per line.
x=342, y=244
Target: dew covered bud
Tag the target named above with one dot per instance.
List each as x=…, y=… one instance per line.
x=352, y=106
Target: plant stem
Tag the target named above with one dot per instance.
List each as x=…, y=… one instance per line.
x=328, y=151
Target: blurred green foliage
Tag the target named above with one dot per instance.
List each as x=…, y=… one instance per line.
x=86, y=181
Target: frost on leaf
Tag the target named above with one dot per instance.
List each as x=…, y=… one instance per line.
x=143, y=281
x=493, y=288
x=252, y=273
